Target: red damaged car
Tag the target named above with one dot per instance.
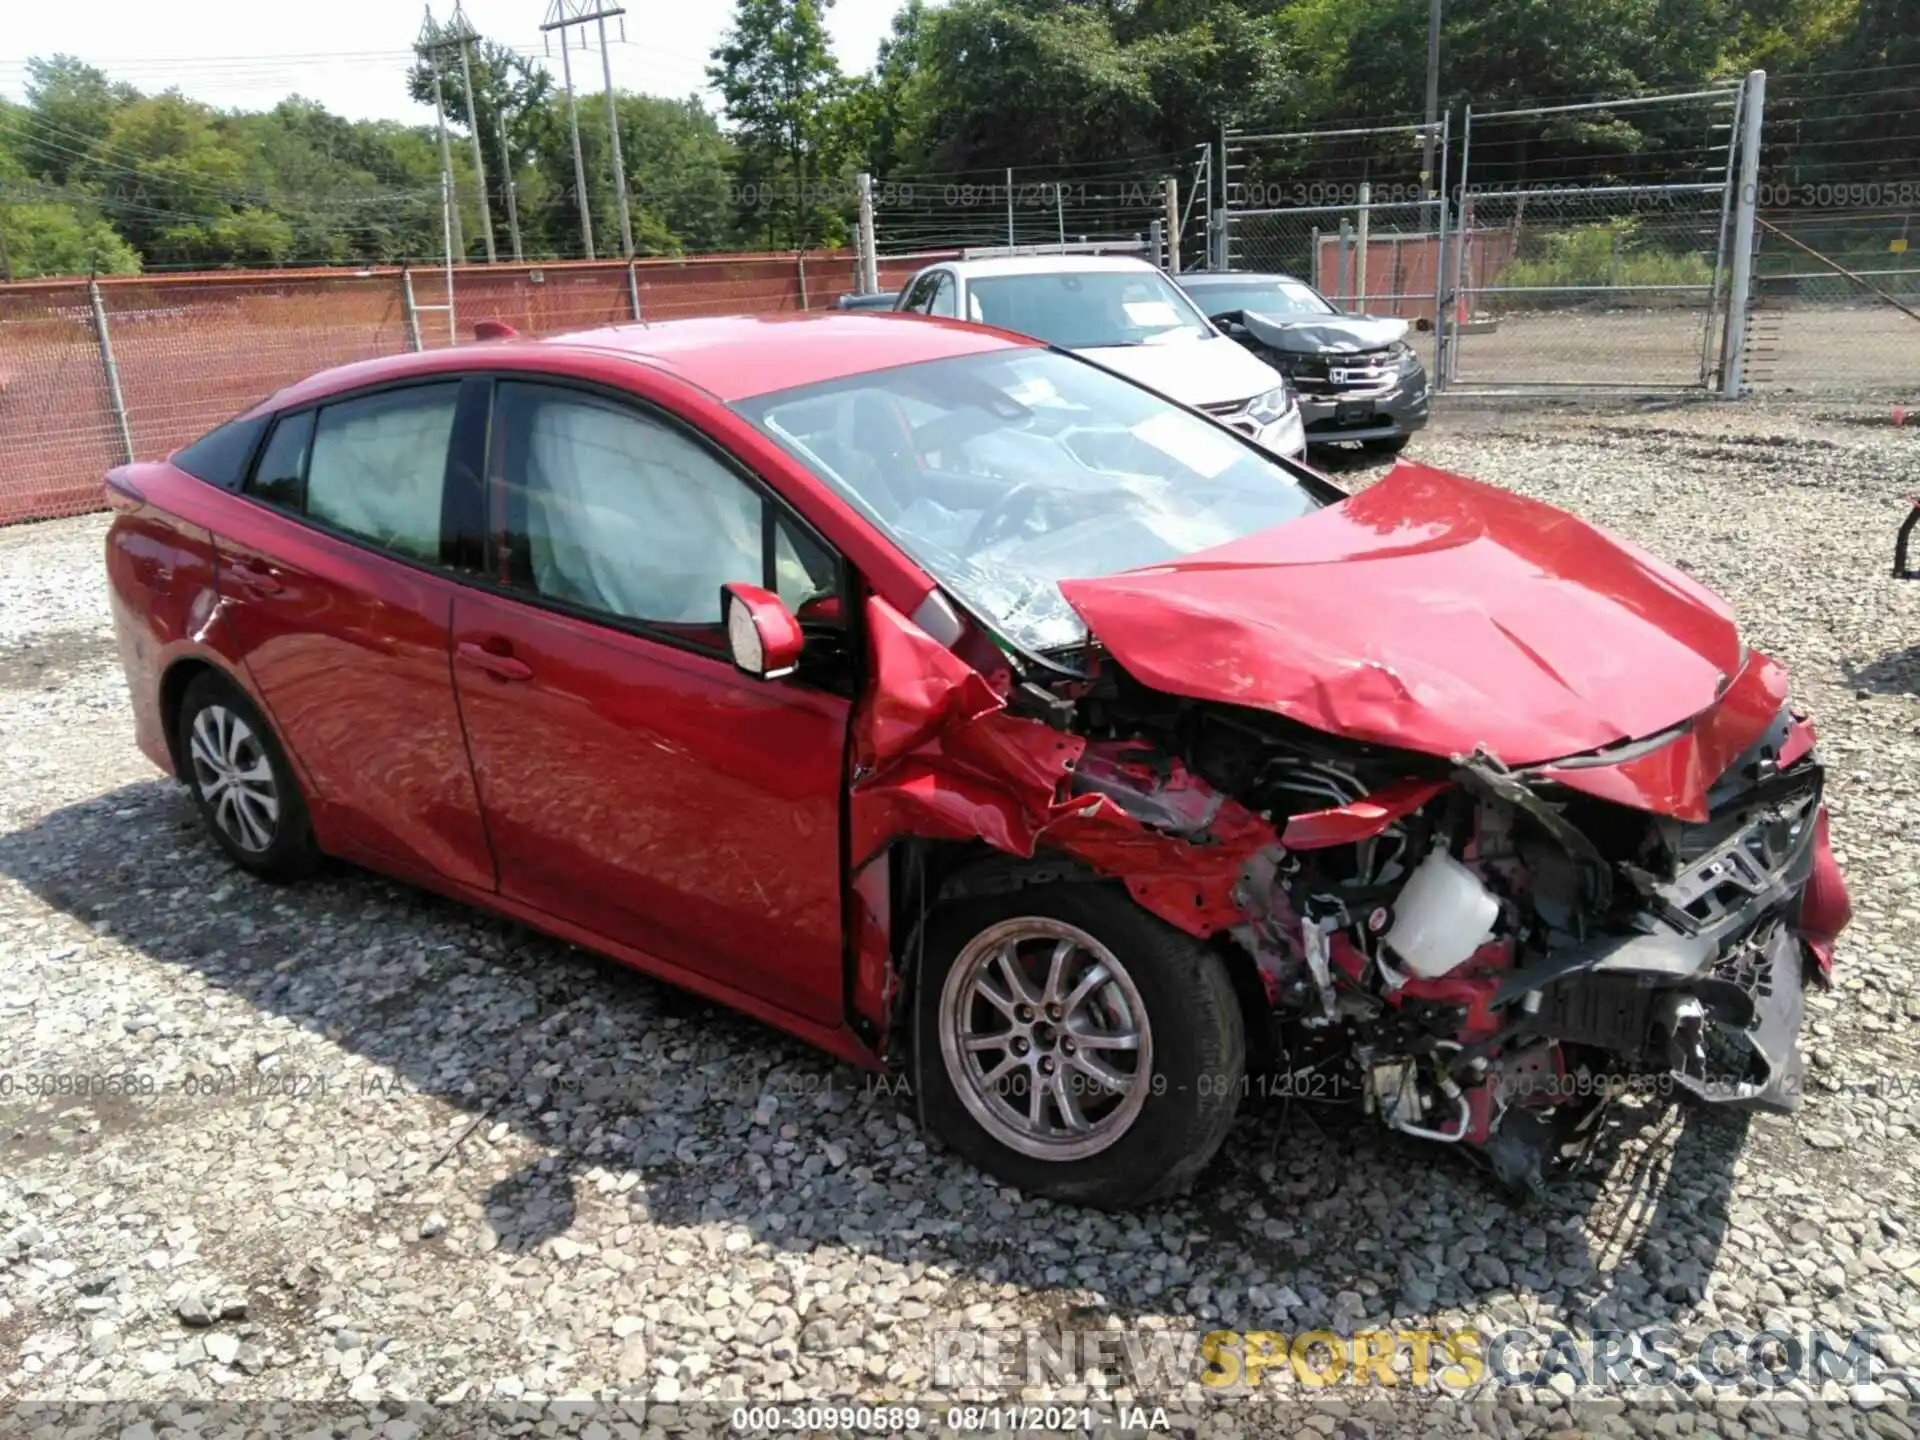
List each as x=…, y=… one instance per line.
x=976, y=714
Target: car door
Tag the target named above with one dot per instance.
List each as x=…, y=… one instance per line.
x=633, y=781
x=340, y=600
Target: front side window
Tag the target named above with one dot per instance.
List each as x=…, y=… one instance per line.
x=945, y=301
x=1087, y=309
x=919, y=296
x=611, y=511
x=377, y=467
x=1002, y=474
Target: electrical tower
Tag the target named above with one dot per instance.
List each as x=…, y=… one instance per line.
x=563, y=15
x=435, y=40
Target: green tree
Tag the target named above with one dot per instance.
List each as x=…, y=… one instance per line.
x=70, y=108
x=1031, y=83
x=347, y=191
x=161, y=169
x=42, y=233
x=678, y=163
x=782, y=90
x=888, y=107
x=510, y=97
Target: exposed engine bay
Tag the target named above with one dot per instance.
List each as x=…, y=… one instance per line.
x=1484, y=957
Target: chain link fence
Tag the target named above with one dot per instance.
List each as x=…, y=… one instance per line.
x=95, y=373
x=1594, y=287
x=1371, y=259
x=1837, y=251
x=1594, y=243
x=925, y=216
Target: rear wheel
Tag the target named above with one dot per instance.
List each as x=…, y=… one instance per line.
x=1072, y=1044
x=241, y=781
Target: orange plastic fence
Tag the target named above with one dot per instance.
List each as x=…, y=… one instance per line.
x=1402, y=271
x=192, y=350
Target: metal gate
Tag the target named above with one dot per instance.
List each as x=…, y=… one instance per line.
x=1583, y=246
x=1597, y=286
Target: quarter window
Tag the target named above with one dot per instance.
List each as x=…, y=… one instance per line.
x=378, y=467
x=615, y=512
x=280, y=475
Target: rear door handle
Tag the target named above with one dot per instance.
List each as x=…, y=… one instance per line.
x=261, y=582
x=501, y=667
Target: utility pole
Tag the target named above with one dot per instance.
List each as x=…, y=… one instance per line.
x=558, y=19
x=1428, y=179
x=428, y=48
x=868, y=280
x=562, y=14
x=513, y=203
x=613, y=128
x=460, y=30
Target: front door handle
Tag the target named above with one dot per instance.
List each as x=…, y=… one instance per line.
x=501, y=667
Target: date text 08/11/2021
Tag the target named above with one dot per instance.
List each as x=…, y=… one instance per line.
x=958, y=1419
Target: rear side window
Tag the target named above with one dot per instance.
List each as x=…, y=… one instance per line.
x=280, y=477
x=377, y=467
x=220, y=456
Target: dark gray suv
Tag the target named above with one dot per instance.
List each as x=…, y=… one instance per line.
x=1357, y=377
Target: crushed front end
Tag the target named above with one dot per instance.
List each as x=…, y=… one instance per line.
x=1484, y=956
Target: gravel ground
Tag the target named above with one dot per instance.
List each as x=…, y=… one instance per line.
x=383, y=1149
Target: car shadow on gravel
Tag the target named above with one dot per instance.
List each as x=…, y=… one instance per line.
x=1895, y=674
x=1307, y=1213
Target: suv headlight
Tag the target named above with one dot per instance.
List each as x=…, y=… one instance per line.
x=1272, y=406
x=1400, y=352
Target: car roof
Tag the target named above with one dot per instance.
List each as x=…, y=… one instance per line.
x=1047, y=265
x=1230, y=275
x=731, y=357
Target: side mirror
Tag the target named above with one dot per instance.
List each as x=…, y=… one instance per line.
x=762, y=634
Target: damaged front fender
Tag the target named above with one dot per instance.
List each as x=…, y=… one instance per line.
x=937, y=755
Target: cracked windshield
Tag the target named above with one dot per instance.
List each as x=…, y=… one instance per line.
x=1005, y=474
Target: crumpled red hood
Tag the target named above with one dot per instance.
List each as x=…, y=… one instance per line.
x=1432, y=613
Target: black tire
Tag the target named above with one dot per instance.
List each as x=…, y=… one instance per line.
x=1194, y=1033
x=1390, y=445
x=289, y=851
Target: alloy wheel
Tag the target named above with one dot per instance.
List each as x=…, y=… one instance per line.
x=234, y=777
x=1045, y=1038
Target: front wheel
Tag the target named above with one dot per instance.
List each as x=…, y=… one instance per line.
x=1076, y=1046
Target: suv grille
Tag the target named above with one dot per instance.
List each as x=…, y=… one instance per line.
x=1362, y=371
